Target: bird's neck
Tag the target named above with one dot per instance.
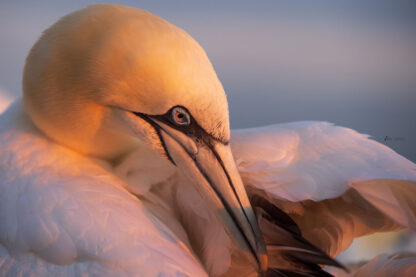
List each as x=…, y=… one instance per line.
x=172, y=197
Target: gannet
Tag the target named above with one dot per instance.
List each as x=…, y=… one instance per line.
x=119, y=161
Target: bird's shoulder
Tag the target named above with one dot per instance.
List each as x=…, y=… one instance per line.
x=63, y=214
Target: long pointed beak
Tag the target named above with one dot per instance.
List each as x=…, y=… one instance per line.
x=212, y=169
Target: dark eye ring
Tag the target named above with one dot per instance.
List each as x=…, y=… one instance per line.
x=180, y=116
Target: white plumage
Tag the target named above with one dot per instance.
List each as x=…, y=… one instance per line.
x=313, y=160
x=74, y=202
x=65, y=214
x=340, y=170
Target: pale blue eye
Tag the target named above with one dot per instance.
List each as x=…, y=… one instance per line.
x=180, y=116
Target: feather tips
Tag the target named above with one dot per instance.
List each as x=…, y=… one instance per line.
x=329, y=179
x=394, y=198
x=288, y=251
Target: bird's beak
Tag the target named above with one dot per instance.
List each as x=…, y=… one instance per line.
x=211, y=167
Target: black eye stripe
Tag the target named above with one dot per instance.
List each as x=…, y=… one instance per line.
x=193, y=129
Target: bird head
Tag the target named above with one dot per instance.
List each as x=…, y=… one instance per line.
x=107, y=79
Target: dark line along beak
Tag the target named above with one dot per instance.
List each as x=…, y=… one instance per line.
x=211, y=167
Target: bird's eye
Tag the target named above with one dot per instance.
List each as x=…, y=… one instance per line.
x=180, y=116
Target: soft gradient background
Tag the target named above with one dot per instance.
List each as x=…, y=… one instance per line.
x=352, y=63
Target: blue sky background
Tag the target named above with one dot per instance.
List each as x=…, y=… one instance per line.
x=352, y=63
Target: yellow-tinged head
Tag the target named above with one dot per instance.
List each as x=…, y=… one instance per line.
x=108, y=78
x=108, y=56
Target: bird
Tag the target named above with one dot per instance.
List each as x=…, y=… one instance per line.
x=118, y=160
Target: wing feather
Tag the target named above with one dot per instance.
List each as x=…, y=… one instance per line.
x=383, y=265
x=335, y=183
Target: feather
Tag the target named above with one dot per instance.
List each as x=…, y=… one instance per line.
x=335, y=183
x=384, y=265
x=288, y=251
